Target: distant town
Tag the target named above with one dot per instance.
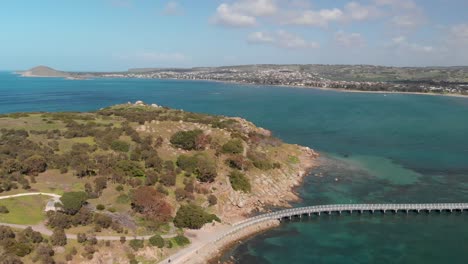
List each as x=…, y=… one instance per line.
x=438, y=80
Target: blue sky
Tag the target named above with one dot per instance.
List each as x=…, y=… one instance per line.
x=93, y=35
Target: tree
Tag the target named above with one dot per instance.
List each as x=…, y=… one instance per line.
x=6, y=233
x=73, y=201
x=193, y=217
x=130, y=168
x=102, y=220
x=59, y=220
x=119, y=145
x=206, y=169
x=200, y=164
x=34, y=165
x=239, y=181
x=100, y=183
x=233, y=146
x=186, y=139
x=28, y=235
x=154, y=162
x=181, y=240
x=152, y=204
x=156, y=241
x=58, y=237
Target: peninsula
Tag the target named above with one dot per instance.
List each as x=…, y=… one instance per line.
x=369, y=78
x=136, y=182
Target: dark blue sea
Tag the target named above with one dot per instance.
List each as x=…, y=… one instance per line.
x=376, y=148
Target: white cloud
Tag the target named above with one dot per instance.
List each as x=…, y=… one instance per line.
x=172, y=8
x=400, y=4
x=408, y=21
x=243, y=13
x=357, y=12
x=349, y=40
x=353, y=11
x=406, y=14
x=402, y=44
x=281, y=39
x=319, y=18
x=260, y=37
x=256, y=7
x=226, y=15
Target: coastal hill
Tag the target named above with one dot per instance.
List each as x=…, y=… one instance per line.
x=134, y=171
x=435, y=80
x=44, y=71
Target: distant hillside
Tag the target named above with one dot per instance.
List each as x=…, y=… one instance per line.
x=44, y=71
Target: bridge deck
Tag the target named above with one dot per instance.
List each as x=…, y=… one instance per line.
x=294, y=212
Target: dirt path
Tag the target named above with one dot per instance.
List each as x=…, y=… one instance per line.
x=53, y=195
x=41, y=228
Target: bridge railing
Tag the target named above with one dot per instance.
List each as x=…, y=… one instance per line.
x=355, y=207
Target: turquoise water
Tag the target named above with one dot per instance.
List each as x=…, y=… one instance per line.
x=376, y=148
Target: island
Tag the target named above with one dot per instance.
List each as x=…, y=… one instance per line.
x=364, y=78
x=136, y=183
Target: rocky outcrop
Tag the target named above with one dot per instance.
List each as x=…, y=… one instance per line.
x=268, y=191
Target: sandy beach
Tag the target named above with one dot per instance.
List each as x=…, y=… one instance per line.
x=206, y=249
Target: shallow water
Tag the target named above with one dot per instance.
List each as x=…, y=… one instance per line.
x=376, y=148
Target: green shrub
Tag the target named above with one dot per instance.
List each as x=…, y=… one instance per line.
x=201, y=165
x=212, y=200
x=100, y=207
x=233, y=146
x=193, y=217
x=169, y=244
x=73, y=201
x=130, y=168
x=136, y=244
x=4, y=210
x=156, y=241
x=187, y=163
x=34, y=165
x=239, y=181
x=119, y=145
x=186, y=139
x=260, y=160
x=181, y=240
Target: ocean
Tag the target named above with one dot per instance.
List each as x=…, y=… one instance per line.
x=376, y=148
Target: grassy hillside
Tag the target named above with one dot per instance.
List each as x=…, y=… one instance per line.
x=141, y=169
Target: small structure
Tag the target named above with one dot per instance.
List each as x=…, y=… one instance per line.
x=51, y=205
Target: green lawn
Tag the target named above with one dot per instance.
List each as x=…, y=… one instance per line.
x=25, y=210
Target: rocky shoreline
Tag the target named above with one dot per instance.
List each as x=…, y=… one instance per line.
x=270, y=193
x=282, y=196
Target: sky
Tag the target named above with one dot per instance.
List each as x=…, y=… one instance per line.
x=114, y=35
